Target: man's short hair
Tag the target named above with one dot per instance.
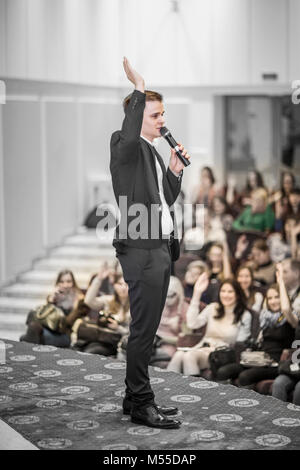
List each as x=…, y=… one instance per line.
x=294, y=264
x=261, y=245
x=150, y=96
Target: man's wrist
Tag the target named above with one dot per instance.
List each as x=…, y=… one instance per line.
x=140, y=86
x=175, y=173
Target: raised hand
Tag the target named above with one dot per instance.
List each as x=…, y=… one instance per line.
x=279, y=270
x=241, y=245
x=133, y=76
x=201, y=284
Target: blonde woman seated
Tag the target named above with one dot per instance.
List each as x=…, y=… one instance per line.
x=173, y=319
x=227, y=321
x=116, y=309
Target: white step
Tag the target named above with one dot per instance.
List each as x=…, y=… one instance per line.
x=82, y=240
x=28, y=290
x=88, y=252
x=8, y=334
x=18, y=305
x=91, y=239
x=57, y=264
x=11, y=320
x=49, y=277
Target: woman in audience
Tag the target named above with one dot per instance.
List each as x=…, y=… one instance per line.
x=294, y=203
x=239, y=201
x=258, y=216
x=218, y=261
x=193, y=271
x=227, y=321
x=277, y=324
x=263, y=267
x=245, y=278
x=287, y=384
x=115, y=316
x=277, y=330
x=221, y=218
x=282, y=243
x=66, y=295
x=173, y=318
x=207, y=189
x=281, y=198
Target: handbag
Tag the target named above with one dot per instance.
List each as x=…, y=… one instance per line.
x=91, y=332
x=51, y=317
x=289, y=368
x=256, y=359
x=221, y=356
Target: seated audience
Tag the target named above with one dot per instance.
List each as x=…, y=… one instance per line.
x=227, y=321
x=194, y=269
x=287, y=385
x=282, y=243
x=258, y=216
x=207, y=188
x=291, y=278
x=245, y=278
x=240, y=200
x=263, y=267
x=277, y=323
x=66, y=296
x=114, y=317
x=218, y=261
x=221, y=218
x=281, y=198
x=173, y=318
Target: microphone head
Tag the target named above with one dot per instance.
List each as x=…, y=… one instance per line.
x=164, y=131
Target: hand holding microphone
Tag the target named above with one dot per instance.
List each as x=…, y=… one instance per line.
x=181, y=153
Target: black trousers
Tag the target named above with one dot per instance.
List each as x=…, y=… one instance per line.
x=147, y=273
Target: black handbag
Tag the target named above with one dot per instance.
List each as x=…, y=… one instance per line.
x=221, y=357
x=289, y=368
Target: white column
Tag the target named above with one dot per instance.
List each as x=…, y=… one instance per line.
x=2, y=214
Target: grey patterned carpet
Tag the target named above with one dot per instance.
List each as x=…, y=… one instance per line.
x=62, y=399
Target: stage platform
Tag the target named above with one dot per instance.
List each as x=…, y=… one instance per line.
x=61, y=399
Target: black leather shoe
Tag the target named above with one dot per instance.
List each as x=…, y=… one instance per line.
x=149, y=415
x=165, y=410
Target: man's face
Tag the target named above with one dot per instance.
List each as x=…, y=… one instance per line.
x=153, y=120
x=290, y=277
x=260, y=257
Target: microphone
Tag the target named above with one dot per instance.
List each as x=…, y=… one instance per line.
x=172, y=142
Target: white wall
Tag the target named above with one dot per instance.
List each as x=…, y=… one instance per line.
x=269, y=44
x=57, y=123
x=22, y=184
x=207, y=42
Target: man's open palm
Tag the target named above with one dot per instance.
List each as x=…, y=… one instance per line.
x=132, y=74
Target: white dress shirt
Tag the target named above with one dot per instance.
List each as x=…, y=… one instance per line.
x=167, y=225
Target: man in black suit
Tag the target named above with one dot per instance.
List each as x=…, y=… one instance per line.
x=144, y=243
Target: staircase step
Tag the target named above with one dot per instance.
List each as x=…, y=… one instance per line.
x=18, y=305
x=27, y=290
x=88, y=252
x=11, y=334
x=46, y=277
x=89, y=239
x=83, y=265
x=10, y=320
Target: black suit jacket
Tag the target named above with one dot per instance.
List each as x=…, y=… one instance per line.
x=133, y=172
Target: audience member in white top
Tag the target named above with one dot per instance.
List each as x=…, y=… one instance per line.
x=227, y=322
